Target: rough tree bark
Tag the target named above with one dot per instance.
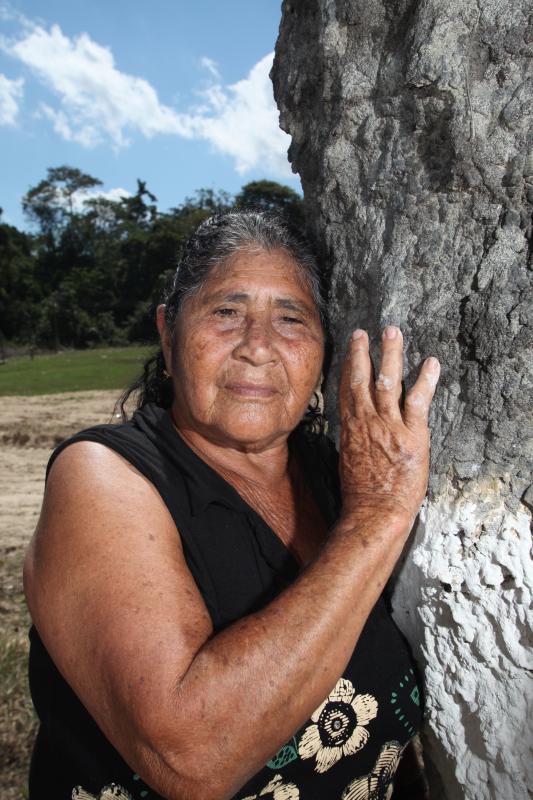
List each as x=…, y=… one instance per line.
x=411, y=125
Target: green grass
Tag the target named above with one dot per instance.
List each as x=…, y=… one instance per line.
x=72, y=371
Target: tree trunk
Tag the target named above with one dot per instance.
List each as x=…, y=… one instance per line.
x=411, y=127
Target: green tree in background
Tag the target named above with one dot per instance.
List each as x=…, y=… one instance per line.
x=20, y=292
x=272, y=196
x=51, y=204
x=94, y=268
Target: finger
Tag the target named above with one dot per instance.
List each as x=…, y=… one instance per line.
x=389, y=380
x=361, y=370
x=345, y=397
x=350, y=373
x=420, y=395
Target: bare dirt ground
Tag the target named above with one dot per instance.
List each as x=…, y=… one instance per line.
x=30, y=427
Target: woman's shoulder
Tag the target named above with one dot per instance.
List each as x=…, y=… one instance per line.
x=150, y=444
x=129, y=438
x=109, y=459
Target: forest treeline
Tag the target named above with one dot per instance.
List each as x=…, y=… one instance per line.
x=93, y=268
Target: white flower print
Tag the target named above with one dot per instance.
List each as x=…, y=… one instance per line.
x=338, y=726
x=277, y=790
x=111, y=792
x=378, y=784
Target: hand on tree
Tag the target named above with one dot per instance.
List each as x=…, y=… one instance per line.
x=384, y=449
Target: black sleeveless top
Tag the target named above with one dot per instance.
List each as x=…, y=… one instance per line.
x=351, y=745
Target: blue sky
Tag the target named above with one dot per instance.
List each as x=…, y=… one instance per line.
x=175, y=93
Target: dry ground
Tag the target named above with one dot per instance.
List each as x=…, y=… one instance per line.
x=29, y=429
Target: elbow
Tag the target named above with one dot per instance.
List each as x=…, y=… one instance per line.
x=201, y=781
x=205, y=790
x=185, y=752
x=190, y=771
x=183, y=785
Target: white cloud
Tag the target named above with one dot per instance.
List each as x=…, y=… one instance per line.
x=10, y=93
x=241, y=120
x=81, y=197
x=98, y=103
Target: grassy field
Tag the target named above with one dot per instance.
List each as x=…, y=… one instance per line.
x=72, y=371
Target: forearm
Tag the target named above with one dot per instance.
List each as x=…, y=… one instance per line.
x=255, y=683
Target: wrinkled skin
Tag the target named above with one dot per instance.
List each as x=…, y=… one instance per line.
x=248, y=353
x=384, y=449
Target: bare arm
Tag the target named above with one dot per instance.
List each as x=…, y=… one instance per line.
x=179, y=703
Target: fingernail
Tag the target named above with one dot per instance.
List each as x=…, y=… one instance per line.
x=357, y=333
x=433, y=363
x=391, y=331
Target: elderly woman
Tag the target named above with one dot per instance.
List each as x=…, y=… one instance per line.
x=206, y=580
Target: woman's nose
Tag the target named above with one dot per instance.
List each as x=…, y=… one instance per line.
x=256, y=344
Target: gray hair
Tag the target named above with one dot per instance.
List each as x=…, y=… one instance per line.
x=222, y=236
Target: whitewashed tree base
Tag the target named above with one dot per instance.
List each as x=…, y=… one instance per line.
x=463, y=598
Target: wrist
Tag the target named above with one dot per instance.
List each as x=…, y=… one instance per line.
x=375, y=516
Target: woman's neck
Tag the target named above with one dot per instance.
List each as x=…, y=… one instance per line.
x=265, y=468
x=271, y=483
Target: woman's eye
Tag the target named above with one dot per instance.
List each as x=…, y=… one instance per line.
x=225, y=312
x=292, y=320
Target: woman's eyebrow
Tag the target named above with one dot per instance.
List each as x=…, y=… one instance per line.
x=292, y=305
x=232, y=297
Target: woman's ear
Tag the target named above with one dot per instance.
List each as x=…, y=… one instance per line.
x=318, y=393
x=164, y=336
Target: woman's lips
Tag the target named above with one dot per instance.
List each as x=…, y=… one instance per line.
x=251, y=389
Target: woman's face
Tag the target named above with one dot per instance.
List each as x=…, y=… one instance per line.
x=248, y=352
